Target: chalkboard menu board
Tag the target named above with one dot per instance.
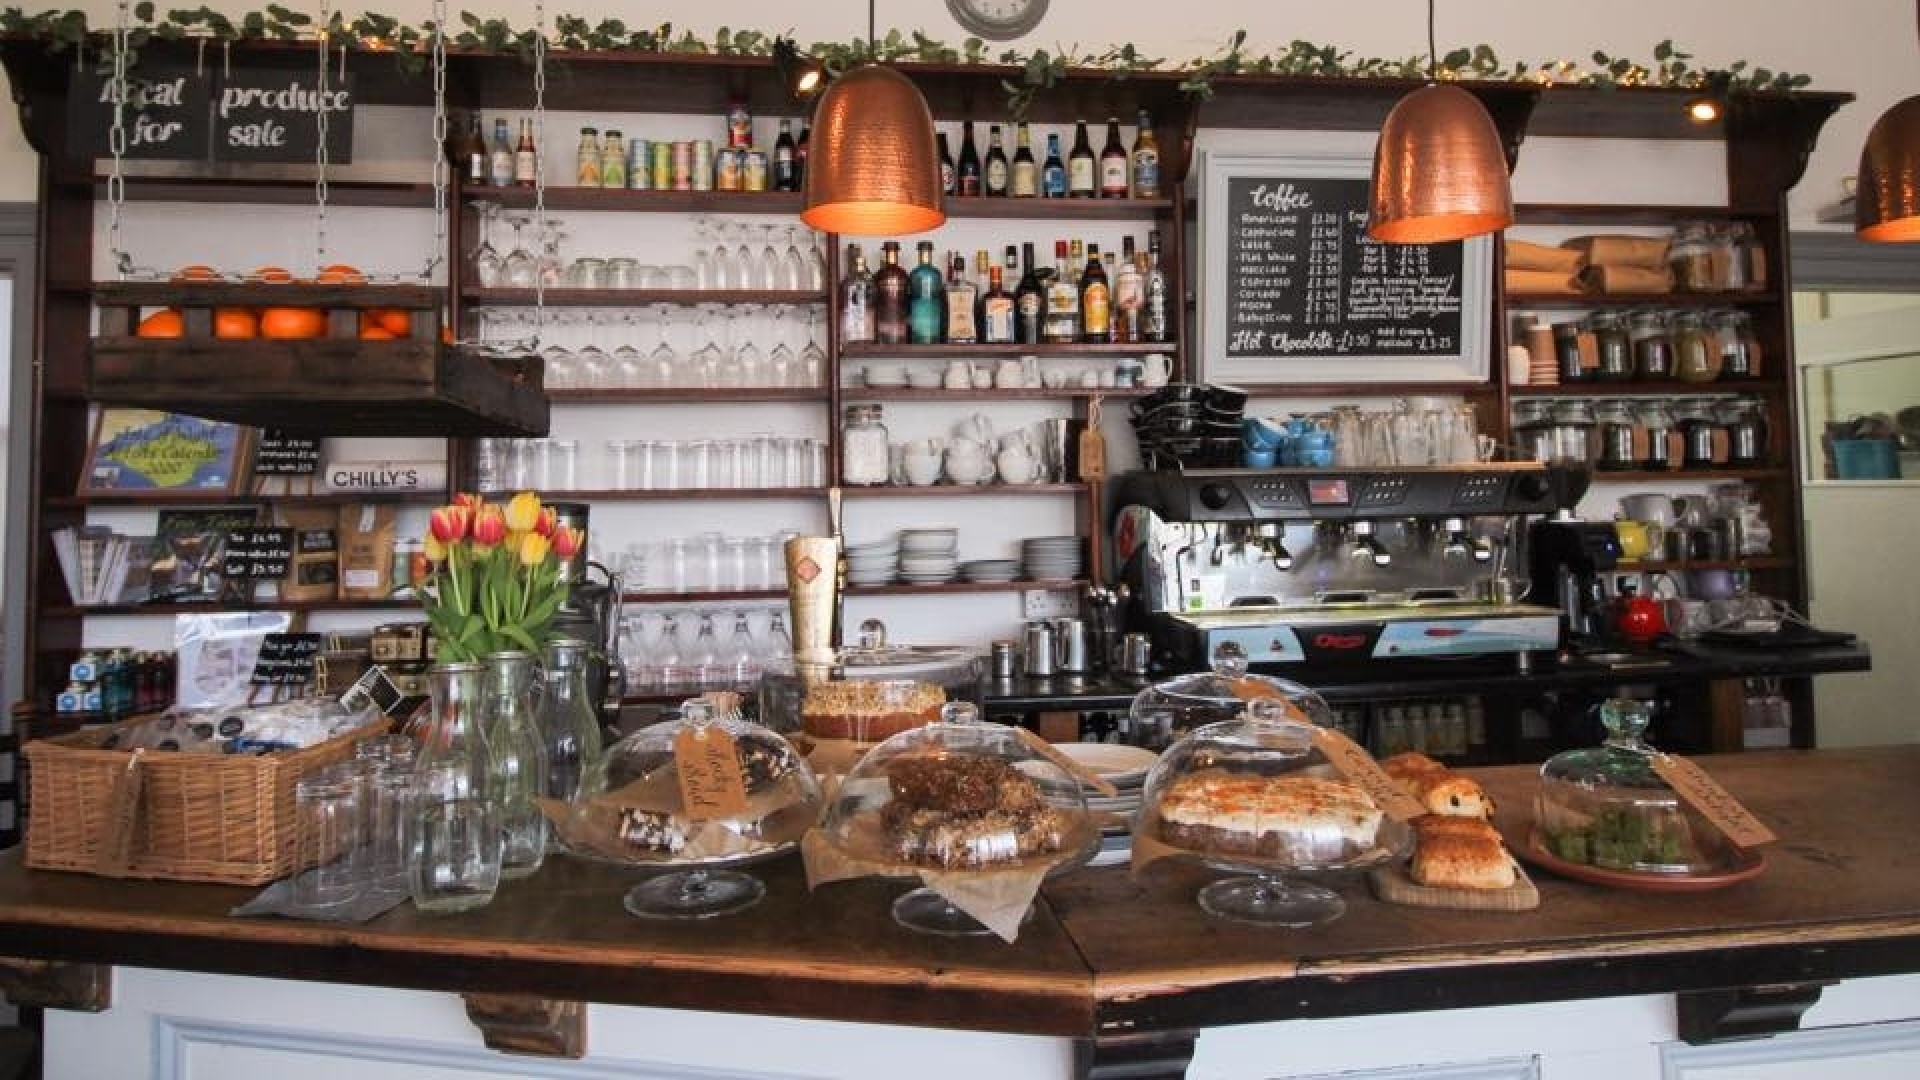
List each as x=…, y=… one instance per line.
x=1294, y=290
x=278, y=453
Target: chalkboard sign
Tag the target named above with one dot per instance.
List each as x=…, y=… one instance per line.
x=286, y=660
x=1293, y=289
x=270, y=115
x=280, y=454
x=257, y=554
x=165, y=119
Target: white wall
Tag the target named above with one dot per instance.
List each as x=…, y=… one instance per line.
x=1867, y=47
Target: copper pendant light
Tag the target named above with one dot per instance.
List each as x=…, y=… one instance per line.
x=1439, y=171
x=1886, y=206
x=873, y=169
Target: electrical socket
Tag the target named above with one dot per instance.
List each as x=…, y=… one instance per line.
x=1049, y=603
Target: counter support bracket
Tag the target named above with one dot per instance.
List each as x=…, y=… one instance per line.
x=54, y=984
x=1744, y=1012
x=1154, y=1055
x=522, y=1024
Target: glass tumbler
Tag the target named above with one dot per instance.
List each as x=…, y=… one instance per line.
x=620, y=462
x=563, y=464
x=328, y=815
x=388, y=786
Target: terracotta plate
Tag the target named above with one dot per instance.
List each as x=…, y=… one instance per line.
x=1747, y=864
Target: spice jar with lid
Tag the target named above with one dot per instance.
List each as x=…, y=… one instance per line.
x=1533, y=429
x=1617, y=431
x=1695, y=360
x=1610, y=341
x=1739, y=348
x=1656, y=418
x=1746, y=431
x=1700, y=434
x=1652, y=347
x=1566, y=352
x=1573, y=431
x=1729, y=260
x=1691, y=258
x=863, y=447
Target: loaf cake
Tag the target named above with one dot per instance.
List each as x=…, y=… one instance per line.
x=869, y=711
x=1460, y=853
x=1295, y=818
x=958, y=811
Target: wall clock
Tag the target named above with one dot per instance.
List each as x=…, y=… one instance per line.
x=998, y=20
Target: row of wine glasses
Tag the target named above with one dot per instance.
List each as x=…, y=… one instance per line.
x=661, y=656
x=706, y=348
x=521, y=266
x=731, y=255
x=727, y=258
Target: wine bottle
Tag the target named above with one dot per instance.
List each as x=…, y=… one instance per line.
x=500, y=159
x=1157, y=312
x=890, y=297
x=1082, y=178
x=1113, y=164
x=996, y=174
x=1029, y=301
x=969, y=171
x=475, y=151
x=949, y=176
x=1053, y=174
x=526, y=159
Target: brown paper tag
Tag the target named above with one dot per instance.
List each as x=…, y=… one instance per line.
x=115, y=856
x=1093, y=454
x=1358, y=766
x=1715, y=803
x=707, y=764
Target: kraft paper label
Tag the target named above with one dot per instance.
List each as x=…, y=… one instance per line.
x=1358, y=766
x=707, y=765
x=1715, y=803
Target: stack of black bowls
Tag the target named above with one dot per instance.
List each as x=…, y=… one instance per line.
x=1189, y=426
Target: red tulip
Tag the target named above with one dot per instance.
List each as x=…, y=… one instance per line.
x=489, y=527
x=449, y=524
x=472, y=502
x=566, y=541
x=549, y=517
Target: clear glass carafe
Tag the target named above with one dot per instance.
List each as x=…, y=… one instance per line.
x=570, y=724
x=518, y=759
x=453, y=831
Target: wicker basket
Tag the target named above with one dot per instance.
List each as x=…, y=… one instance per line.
x=185, y=817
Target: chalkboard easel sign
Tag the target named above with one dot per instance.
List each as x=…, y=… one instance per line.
x=1293, y=290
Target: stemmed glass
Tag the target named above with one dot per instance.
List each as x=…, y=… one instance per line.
x=743, y=265
x=596, y=369
x=708, y=357
x=562, y=360
x=782, y=366
x=553, y=272
x=813, y=358
x=794, y=269
x=751, y=365
x=710, y=258
x=521, y=269
x=817, y=261
x=662, y=361
x=488, y=267
x=769, y=270
x=629, y=366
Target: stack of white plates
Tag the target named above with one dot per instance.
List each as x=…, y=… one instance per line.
x=873, y=563
x=1125, y=767
x=929, y=556
x=990, y=569
x=1051, y=558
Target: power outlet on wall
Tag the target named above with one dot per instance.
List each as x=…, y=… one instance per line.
x=1049, y=604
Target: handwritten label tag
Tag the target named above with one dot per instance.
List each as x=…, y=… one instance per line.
x=1715, y=803
x=1093, y=455
x=708, y=767
x=1359, y=767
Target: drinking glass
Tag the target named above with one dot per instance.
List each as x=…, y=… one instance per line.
x=629, y=366
x=387, y=786
x=631, y=645
x=596, y=367
x=817, y=261
x=813, y=358
x=751, y=366
x=743, y=264
x=662, y=362
x=794, y=269
x=708, y=357
x=703, y=656
x=552, y=270
x=783, y=367
x=743, y=655
x=559, y=358
x=710, y=257
x=328, y=808
x=488, y=267
x=521, y=269
x=769, y=270
x=563, y=464
x=668, y=666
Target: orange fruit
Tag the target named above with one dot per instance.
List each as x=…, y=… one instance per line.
x=340, y=274
x=395, y=321
x=165, y=323
x=274, y=275
x=371, y=332
x=235, y=322
x=288, y=323
x=196, y=272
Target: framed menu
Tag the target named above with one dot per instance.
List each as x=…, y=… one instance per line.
x=1293, y=290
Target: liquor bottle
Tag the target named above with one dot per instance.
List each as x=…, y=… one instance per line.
x=1129, y=294
x=800, y=154
x=968, y=176
x=1053, y=174
x=1076, y=259
x=890, y=297
x=996, y=184
x=526, y=160
x=949, y=176
x=1029, y=302
x=1063, y=301
x=1082, y=176
x=475, y=151
x=996, y=322
x=961, y=295
x=1146, y=159
x=1113, y=164
x=586, y=159
x=785, y=178
x=500, y=158
x=981, y=262
x=1156, y=322
x=1096, y=300
x=856, y=300
x=926, y=300
x=1023, y=182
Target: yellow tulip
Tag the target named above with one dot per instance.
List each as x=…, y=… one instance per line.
x=533, y=549
x=436, y=551
x=523, y=512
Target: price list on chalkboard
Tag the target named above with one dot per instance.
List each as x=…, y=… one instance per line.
x=1304, y=279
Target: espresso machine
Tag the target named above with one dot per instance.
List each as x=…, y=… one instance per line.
x=1571, y=559
x=1334, y=567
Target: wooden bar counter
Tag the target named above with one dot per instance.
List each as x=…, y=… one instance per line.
x=1116, y=964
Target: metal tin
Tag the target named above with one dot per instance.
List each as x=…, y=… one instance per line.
x=639, y=164
x=739, y=124
x=754, y=174
x=702, y=165
x=1039, y=639
x=728, y=167
x=1136, y=654
x=1003, y=666
x=661, y=166
x=682, y=166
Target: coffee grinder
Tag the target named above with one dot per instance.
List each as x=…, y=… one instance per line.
x=1571, y=558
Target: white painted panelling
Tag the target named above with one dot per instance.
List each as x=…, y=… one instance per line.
x=1506, y=1069
x=1869, y=1052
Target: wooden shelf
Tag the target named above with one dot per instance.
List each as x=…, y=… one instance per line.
x=981, y=206
x=1684, y=476
x=1019, y=585
x=1667, y=388
x=946, y=490
x=191, y=498
x=1751, y=562
x=627, y=200
x=1559, y=301
x=702, y=596
x=1618, y=214
x=1354, y=390
x=864, y=349
x=706, y=493
x=197, y=608
x=630, y=298
x=572, y=396
x=1064, y=393
x=266, y=190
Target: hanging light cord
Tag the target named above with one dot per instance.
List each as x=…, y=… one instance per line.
x=1433, y=50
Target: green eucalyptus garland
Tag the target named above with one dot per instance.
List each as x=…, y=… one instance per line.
x=1037, y=70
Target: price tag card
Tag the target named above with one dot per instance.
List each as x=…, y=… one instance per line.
x=1359, y=767
x=1715, y=803
x=286, y=659
x=707, y=764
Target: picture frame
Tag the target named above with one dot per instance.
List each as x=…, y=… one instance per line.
x=1293, y=291
x=149, y=452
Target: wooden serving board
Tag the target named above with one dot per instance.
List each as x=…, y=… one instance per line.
x=1392, y=884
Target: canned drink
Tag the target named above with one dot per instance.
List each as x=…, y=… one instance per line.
x=639, y=164
x=682, y=166
x=727, y=169
x=662, y=166
x=739, y=124
x=755, y=175
x=702, y=165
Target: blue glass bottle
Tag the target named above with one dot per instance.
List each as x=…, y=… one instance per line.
x=1053, y=174
x=926, y=300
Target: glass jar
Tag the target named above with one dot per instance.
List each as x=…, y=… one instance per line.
x=1739, y=347
x=1572, y=431
x=1751, y=255
x=1700, y=434
x=1566, y=351
x=623, y=273
x=1746, y=431
x=1652, y=345
x=1610, y=341
x=1695, y=360
x=1729, y=261
x=613, y=161
x=1533, y=429
x=863, y=447
x=587, y=159
x=1617, y=431
x=1691, y=259
x=1656, y=418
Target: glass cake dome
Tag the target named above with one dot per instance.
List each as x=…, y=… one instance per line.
x=877, y=690
x=1256, y=794
x=656, y=812
x=1186, y=702
x=958, y=796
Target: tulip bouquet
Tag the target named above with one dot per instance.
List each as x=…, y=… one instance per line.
x=493, y=574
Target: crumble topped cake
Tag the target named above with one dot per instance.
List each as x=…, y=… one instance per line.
x=871, y=710
x=1297, y=818
x=958, y=811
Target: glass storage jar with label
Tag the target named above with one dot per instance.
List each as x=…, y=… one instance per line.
x=1739, y=347
x=1695, y=360
x=863, y=447
x=1652, y=345
x=1691, y=258
x=1610, y=341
